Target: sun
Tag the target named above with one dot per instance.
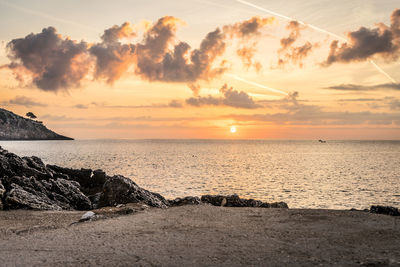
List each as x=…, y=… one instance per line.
x=233, y=129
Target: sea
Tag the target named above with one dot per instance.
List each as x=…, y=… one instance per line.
x=304, y=174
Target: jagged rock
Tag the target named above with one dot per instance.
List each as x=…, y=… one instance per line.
x=118, y=189
x=387, y=210
x=12, y=165
x=185, y=201
x=56, y=194
x=19, y=198
x=236, y=201
x=82, y=176
x=99, y=178
x=70, y=190
x=28, y=183
x=95, y=199
x=37, y=164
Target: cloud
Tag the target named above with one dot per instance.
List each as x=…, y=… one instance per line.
x=394, y=103
x=23, y=101
x=248, y=28
x=204, y=101
x=175, y=104
x=296, y=113
x=81, y=106
x=377, y=103
x=365, y=43
x=54, y=62
x=231, y=98
x=247, y=32
x=290, y=53
x=113, y=58
x=195, y=88
x=322, y=118
x=171, y=104
x=116, y=33
x=157, y=62
x=246, y=53
x=357, y=87
x=295, y=28
x=237, y=99
x=360, y=100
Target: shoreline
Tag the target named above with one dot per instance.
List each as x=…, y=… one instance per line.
x=201, y=235
x=55, y=216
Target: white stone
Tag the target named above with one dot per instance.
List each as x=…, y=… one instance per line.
x=88, y=215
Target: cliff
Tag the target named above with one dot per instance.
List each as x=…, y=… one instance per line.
x=15, y=127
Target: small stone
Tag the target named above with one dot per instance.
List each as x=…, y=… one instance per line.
x=90, y=215
x=223, y=202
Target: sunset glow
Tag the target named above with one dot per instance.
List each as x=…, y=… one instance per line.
x=295, y=72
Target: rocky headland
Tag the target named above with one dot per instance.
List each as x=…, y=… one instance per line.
x=15, y=127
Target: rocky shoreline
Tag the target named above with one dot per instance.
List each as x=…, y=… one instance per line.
x=42, y=225
x=27, y=183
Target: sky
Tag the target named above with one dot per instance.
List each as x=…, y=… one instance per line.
x=134, y=69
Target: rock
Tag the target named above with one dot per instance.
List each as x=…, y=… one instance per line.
x=70, y=190
x=95, y=199
x=28, y=183
x=91, y=182
x=88, y=216
x=12, y=165
x=236, y=201
x=276, y=205
x=121, y=190
x=19, y=198
x=387, y=210
x=99, y=178
x=31, y=193
x=185, y=201
x=37, y=164
x=82, y=176
x=223, y=202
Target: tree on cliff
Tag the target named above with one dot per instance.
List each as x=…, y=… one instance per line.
x=31, y=115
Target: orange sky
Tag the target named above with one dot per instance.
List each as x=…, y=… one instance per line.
x=163, y=71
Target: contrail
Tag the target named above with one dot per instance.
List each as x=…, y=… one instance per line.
x=316, y=29
x=290, y=19
x=256, y=84
x=46, y=16
x=382, y=71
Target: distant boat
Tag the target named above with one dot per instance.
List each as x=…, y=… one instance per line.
x=322, y=141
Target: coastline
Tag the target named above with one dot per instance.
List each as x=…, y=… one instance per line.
x=201, y=235
x=55, y=216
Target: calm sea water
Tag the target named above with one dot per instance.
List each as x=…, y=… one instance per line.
x=305, y=174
